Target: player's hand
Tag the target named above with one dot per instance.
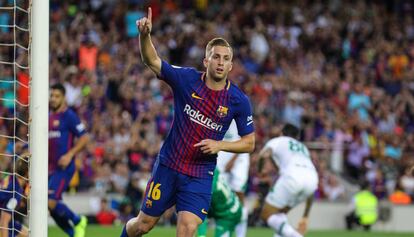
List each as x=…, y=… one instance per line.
x=303, y=226
x=145, y=24
x=65, y=160
x=208, y=146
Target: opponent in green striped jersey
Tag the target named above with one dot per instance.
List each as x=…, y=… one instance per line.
x=225, y=208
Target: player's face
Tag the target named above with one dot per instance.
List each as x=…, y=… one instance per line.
x=219, y=62
x=56, y=100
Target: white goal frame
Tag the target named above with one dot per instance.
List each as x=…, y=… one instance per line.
x=39, y=105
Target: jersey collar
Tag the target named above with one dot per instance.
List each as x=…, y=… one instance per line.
x=227, y=86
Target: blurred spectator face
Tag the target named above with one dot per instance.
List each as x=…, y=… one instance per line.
x=104, y=204
x=379, y=176
x=332, y=181
x=218, y=62
x=358, y=88
x=57, y=100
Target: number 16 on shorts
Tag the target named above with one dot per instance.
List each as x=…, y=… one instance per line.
x=154, y=193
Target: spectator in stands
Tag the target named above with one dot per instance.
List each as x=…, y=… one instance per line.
x=399, y=197
x=358, y=151
x=125, y=211
x=333, y=189
x=407, y=182
x=378, y=185
x=105, y=216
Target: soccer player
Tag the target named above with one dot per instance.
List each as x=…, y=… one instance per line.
x=297, y=182
x=225, y=208
x=204, y=105
x=235, y=169
x=64, y=126
x=13, y=187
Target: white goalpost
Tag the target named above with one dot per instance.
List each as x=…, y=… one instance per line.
x=24, y=86
x=39, y=105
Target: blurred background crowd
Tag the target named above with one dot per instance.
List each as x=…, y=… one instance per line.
x=342, y=71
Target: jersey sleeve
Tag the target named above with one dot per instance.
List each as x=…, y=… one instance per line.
x=174, y=76
x=268, y=145
x=75, y=125
x=244, y=117
x=273, y=145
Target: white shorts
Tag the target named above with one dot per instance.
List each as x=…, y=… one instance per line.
x=291, y=190
x=239, y=174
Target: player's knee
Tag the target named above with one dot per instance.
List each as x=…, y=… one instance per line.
x=189, y=227
x=265, y=214
x=144, y=228
x=136, y=228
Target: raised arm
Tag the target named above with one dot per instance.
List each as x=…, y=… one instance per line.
x=148, y=53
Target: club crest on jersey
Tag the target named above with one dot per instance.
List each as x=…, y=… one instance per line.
x=148, y=203
x=222, y=111
x=56, y=123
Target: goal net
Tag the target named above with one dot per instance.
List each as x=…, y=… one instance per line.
x=14, y=111
x=17, y=111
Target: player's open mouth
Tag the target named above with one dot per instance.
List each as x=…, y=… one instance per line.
x=220, y=70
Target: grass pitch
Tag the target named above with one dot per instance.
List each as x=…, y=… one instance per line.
x=100, y=231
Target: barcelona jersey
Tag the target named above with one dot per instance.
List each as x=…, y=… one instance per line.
x=200, y=113
x=10, y=190
x=63, y=128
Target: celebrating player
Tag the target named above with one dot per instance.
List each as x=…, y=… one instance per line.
x=204, y=103
x=235, y=170
x=64, y=125
x=13, y=187
x=226, y=208
x=297, y=182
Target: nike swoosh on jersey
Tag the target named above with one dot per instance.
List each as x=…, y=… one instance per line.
x=195, y=96
x=204, y=211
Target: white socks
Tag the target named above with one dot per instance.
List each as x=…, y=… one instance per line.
x=241, y=228
x=279, y=223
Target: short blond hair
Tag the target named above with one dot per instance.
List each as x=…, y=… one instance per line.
x=217, y=42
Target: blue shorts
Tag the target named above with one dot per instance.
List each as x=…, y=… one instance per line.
x=59, y=182
x=168, y=187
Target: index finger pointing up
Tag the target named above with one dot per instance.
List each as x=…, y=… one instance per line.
x=149, y=14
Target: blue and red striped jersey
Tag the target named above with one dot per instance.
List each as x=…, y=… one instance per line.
x=200, y=113
x=63, y=128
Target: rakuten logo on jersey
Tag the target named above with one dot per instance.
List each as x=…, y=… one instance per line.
x=197, y=117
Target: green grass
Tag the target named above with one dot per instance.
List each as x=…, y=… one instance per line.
x=99, y=231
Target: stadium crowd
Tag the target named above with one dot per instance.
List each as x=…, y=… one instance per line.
x=342, y=71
